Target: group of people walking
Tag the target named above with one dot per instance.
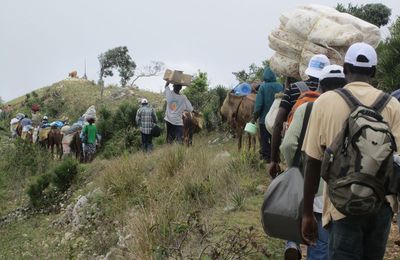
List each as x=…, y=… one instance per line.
x=146, y=117
x=348, y=132
x=60, y=133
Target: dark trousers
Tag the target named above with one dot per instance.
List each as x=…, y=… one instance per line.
x=147, y=142
x=265, y=149
x=174, y=133
x=360, y=237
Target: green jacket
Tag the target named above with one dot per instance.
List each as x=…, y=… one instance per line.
x=266, y=94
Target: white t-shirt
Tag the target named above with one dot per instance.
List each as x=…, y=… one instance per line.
x=176, y=105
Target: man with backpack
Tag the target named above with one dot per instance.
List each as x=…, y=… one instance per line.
x=350, y=140
x=331, y=78
x=291, y=95
x=264, y=99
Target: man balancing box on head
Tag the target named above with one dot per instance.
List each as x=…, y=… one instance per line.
x=176, y=105
x=350, y=141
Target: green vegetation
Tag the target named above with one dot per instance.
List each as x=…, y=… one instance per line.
x=177, y=202
x=388, y=72
x=117, y=58
x=77, y=95
x=377, y=14
x=254, y=72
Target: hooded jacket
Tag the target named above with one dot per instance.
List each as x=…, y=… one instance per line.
x=266, y=94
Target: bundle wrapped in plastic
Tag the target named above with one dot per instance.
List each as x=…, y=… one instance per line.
x=316, y=29
x=74, y=128
x=90, y=113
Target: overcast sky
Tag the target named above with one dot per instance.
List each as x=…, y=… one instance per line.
x=42, y=40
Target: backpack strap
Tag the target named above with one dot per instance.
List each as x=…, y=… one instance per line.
x=351, y=101
x=297, y=155
x=302, y=86
x=381, y=102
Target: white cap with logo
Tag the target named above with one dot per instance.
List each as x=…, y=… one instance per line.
x=316, y=64
x=332, y=71
x=359, y=49
x=144, y=101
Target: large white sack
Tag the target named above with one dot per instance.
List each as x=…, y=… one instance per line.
x=286, y=43
x=315, y=29
x=90, y=113
x=284, y=65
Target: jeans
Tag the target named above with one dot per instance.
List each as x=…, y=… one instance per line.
x=360, y=237
x=174, y=133
x=147, y=142
x=320, y=250
x=265, y=136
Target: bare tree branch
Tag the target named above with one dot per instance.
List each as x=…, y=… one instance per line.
x=151, y=70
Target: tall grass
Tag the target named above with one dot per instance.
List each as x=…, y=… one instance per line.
x=167, y=188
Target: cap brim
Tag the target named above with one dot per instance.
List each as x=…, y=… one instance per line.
x=313, y=72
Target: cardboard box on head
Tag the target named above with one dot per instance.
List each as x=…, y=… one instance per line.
x=177, y=77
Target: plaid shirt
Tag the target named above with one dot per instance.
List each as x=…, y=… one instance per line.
x=146, y=118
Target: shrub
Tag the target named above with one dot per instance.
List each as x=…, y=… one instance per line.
x=55, y=104
x=64, y=174
x=238, y=200
x=37, y=188
x=125, y=116
x=22, y=159
x=118, y=130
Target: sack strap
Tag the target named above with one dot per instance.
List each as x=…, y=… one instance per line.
x=302, y=86
x=381, y=102
x=297, y=155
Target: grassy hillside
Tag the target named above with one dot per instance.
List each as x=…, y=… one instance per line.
x=72, y=97
x=177, y=202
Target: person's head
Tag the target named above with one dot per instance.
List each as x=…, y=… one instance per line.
x=144, y=102
x=255, y=85
x=360, y=62
x=91, y=121
x=289, y=81
x=177, y=88
x=315, y=66
x=332, y=77
x=45, y=119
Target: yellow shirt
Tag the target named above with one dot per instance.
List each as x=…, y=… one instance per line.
x=328, y=115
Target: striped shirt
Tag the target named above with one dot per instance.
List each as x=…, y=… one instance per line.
x=146, y=118
x=293, y=92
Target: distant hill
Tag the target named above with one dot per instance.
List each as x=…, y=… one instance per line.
x=71, y=97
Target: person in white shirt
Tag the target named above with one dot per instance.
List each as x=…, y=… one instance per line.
x=176, y=105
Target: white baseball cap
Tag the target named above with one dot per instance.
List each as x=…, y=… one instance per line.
x=144, y=101
x=361, y=48
x=316, y=64
x=332, y=71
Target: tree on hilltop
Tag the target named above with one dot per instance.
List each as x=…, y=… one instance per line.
x=377, y=14
x=116, y=58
